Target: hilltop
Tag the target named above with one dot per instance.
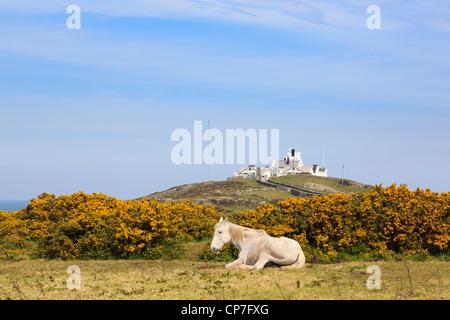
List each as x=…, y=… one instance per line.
x=245, y=194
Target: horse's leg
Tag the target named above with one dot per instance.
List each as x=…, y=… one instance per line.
x=234, y=264
x=262, y=260
x=242, y=257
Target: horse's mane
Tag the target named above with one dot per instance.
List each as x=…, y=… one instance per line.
x=237, y=232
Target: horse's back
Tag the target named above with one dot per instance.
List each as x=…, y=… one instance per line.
x=282, y=245
x=289, y=242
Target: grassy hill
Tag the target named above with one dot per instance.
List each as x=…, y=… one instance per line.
x=324, y=184
x=238, y=195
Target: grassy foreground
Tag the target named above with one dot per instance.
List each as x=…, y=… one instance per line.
x=190, y=279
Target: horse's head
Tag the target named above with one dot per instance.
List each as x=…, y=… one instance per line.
x=221, y=235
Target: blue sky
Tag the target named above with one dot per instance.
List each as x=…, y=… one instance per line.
x=94, y=109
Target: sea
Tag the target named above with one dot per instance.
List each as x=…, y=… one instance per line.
x=13, y=205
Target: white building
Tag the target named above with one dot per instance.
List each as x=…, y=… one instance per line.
x=291, y=164
x=252, y=172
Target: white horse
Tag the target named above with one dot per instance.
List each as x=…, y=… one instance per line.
x=256, y=247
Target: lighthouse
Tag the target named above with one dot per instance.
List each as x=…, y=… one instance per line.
x=294, y=156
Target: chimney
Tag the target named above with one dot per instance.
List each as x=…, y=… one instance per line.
x=315, y=167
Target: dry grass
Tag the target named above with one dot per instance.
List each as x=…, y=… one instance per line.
x=228, y=196
x=344, y=186
x=188, y=279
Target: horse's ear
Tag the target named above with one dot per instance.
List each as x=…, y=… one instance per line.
x=221, y=219
x=226, y=219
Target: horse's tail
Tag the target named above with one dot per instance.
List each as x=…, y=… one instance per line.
x=287, y=264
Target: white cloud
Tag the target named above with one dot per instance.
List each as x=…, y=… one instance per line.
x=384, y=64
x=303, y=16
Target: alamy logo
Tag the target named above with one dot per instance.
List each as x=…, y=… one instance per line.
x=374, y=21
x=74, y=281
x=74, y=20
x=374, y=281
x=228, y=148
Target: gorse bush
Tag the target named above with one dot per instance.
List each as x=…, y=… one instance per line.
x=12, y=234
x=374, y=225
x=82, y=226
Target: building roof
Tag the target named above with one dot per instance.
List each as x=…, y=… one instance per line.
x=300, y=169
x=283, y=164
x=247, y=168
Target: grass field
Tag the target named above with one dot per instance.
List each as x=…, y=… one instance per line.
x=192, y=279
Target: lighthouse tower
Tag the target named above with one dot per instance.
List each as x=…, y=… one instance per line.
x=295, y=155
